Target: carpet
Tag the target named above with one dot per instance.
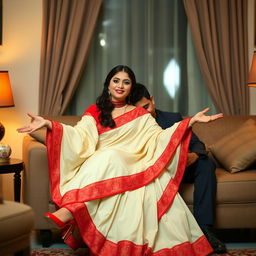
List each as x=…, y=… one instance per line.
x=59, y=252
x=85, y=252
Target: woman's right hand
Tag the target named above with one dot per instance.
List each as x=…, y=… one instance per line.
x=36, y=123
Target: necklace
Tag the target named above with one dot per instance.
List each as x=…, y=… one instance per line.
x=119, y=104
x=118, y=111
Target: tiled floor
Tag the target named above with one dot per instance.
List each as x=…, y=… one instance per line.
x=57, y=242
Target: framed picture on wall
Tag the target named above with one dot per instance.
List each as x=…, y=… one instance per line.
x=1, y=21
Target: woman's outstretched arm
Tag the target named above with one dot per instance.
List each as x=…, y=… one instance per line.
x=202, y=118
x=37, y=122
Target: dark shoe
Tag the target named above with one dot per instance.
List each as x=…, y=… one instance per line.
x=217, y=245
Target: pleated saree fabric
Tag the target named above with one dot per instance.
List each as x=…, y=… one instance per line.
x=121, y=185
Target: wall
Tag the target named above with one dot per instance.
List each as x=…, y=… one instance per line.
x=20, y=55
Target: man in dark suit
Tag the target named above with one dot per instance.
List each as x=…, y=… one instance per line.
x=200, y=169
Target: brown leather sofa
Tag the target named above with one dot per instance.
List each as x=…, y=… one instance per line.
x=236, y=192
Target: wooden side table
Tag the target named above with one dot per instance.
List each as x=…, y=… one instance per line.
x=13, y=166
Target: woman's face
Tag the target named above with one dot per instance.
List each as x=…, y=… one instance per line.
x=120, y=86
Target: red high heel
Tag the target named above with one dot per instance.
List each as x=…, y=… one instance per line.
x=66, y=228
x=67, y=231
x=56, y=220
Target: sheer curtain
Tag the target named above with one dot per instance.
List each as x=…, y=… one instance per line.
x=153, y=38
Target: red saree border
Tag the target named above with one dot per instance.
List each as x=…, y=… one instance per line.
x=172, y=187
x=53, y=142
x=119, y=121
x=100, y=246
x=118, y=185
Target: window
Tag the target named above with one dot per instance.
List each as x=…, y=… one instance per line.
x=152, y=37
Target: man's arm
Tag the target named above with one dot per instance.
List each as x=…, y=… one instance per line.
x=197, y=146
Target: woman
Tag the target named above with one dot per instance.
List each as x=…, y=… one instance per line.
x=116, y=176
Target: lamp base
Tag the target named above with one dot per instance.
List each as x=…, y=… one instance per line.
x=5, y=152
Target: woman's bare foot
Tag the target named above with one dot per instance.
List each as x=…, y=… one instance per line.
x=63, y=214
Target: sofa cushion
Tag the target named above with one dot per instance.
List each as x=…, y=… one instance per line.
x=236, y=151
x=232, y=188
x=16, y=219
x=211, y=132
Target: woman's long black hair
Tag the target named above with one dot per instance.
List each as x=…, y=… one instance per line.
x=104, y=103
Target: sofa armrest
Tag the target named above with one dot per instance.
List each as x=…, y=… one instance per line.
x=36, y=181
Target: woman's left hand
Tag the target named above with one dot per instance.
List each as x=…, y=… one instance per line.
x=202, y=118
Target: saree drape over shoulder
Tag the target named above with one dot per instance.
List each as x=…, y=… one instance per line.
x=121, y=185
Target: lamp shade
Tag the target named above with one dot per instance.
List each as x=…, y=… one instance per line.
x=252, y=74
x=6, y=98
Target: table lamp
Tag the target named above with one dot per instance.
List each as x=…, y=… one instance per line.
x=6, y=100
x=252, y=74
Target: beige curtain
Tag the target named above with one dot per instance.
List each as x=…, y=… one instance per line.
x=67, y=31
x=219, y=31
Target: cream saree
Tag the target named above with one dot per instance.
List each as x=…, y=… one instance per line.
x=121, y=185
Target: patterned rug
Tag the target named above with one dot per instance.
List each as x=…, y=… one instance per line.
x=85, y=252
x=59, y=252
